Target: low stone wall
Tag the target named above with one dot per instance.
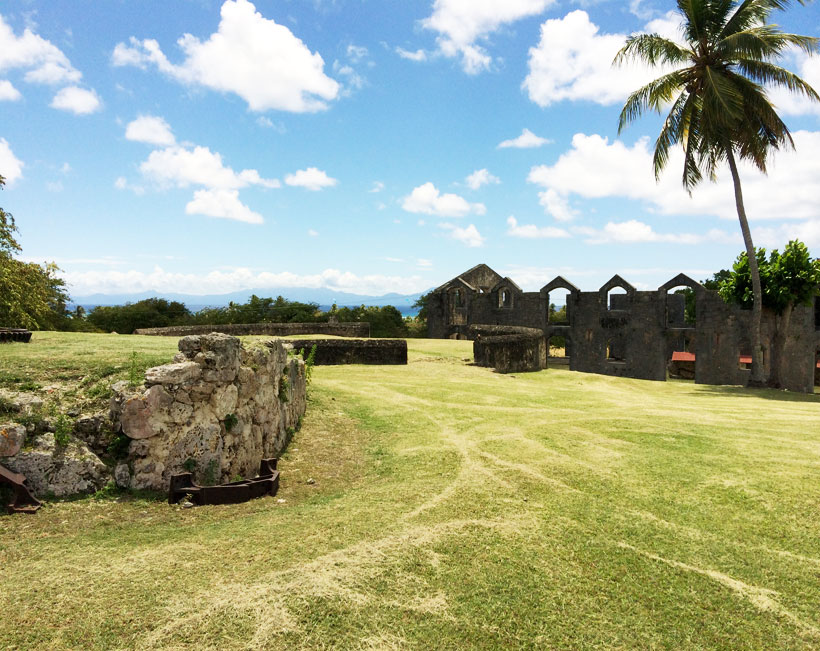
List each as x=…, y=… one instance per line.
x=509, y=349
x=273, y=329
x=216, y=411
x=356, y=351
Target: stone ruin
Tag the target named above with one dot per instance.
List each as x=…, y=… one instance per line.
x=216, y=411
x=632, y=334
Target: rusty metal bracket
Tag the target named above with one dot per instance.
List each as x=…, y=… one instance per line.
x=24, y=501
x=267, y=483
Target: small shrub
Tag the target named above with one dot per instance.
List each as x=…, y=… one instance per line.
x=118, y=448
x=62, y=430
x=284, y=389
x=189, y=465
x=310, y=362
x=230, y=422
x=210, y=475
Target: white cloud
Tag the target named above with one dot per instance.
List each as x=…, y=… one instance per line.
x=426, y=199
x=468, y=236
x=11, y=167
x=527, y=140
x=354, y=81
x=808, y=68
x=533, y=232
x=8, y=93
x=150, y=129
x=418, y=55
x=574, y=62
x=184, y=167
x=462, y=23
x=557, y=205
x=79, y=101
x=224, y=204
x=54, y=186
x=121, y=183
x=254, y=57
x=225, y=281
x=311, y=179
x=313, y=233
x=378, y=186
x=423, y=262
x=356, y=53
x=594, y=168
x=634, y=232
x=45, y=62
x=479, y=178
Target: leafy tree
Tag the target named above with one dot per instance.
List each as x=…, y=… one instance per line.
x=384, y=321
x=31, y=295
x=149, y=313
x=787, y=280
x=720, y=110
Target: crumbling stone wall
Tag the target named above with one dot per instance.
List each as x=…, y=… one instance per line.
x=216, y=411
x=509, y=349
x=632, y=334
x=354, y=351
x=273, y=329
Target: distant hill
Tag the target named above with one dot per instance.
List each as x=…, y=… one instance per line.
x=194, y=302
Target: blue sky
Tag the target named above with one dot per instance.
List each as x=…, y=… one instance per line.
x=207, y=146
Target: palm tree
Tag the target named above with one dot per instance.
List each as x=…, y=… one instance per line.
x=720, y=110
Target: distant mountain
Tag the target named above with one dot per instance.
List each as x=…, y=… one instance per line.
x=324, y=297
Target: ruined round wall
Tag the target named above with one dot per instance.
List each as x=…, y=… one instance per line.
x=216, y=411
x=354, y=351
x=509, y=349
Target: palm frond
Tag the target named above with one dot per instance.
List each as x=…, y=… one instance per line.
x=750, y=13
x=674, y=130
x=723, y=102
x=655, y=95
x=763, y=42
x=652, y=48
x=769, y=74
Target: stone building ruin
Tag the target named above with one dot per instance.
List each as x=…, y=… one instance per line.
x=618, y=330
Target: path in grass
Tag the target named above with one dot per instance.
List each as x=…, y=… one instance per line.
x=455, y=507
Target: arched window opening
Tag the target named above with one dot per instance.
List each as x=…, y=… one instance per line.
x=504, y=298
x=559, y=350
x=558, y=302
x=616, y=299
x=457, y=299
x=615, y=351
x=680, y=307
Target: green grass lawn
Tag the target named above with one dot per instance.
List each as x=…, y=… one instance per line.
x=451, y=507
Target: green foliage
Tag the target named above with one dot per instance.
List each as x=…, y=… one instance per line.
x=310, y=362
x=718, y=86
x=189, y=465
x=422, y=303
x=790, y=278
x=284, y=389
x=31, y=295
x=118, y=448
x=210, y=476
x=385, y=321
x=230, y=422
x=149, y=313
x=63, y=427
x=260, y=310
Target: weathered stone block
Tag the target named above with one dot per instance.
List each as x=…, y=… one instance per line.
x=12, y=437
x=180, y=373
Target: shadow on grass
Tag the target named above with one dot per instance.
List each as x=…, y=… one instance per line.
x=767, y=394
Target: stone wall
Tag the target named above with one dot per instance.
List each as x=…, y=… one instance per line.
x=632, y=333
x=216, y=411
x=273, y=329
x=354, y=351
x=509, y=349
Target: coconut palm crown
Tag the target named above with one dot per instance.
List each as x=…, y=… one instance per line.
x=720, y=109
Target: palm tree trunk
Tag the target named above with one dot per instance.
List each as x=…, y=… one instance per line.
x=757, y=378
